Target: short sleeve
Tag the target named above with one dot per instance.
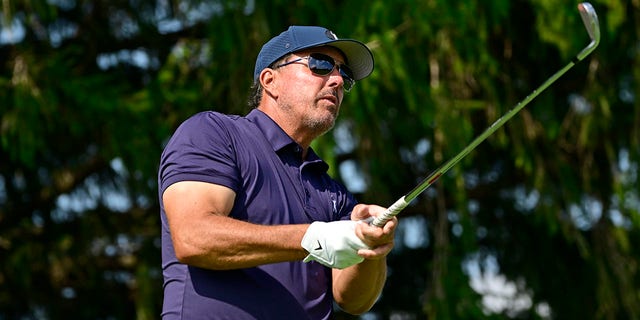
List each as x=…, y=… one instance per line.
x=200, y=150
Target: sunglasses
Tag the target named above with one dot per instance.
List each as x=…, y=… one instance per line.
x=322, y=65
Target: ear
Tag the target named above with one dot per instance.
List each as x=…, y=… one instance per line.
x=268, y=80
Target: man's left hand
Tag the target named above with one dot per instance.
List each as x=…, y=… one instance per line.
x=379, y=239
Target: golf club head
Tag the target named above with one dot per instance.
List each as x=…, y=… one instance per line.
x=590, y=20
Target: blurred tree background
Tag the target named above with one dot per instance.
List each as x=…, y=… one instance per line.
x=541, y=221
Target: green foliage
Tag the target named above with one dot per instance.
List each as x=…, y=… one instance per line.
x=90, y=90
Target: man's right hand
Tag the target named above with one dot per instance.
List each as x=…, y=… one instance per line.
x=333, y=244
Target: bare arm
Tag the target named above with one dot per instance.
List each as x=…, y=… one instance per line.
x=203, y=235
x=356, y=288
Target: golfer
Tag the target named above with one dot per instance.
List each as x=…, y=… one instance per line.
x=253, y=227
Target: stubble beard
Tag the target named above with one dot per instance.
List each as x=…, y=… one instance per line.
x=321, y=125
x=323, y=118
x=318, y=120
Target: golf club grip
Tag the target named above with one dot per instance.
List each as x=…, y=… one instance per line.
x=391, y=212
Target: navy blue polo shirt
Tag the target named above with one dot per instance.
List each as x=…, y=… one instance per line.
x=253, y=156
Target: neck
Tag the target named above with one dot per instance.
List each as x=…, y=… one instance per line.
x=292, y=127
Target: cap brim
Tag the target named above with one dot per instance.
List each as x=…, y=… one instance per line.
x=359, y=57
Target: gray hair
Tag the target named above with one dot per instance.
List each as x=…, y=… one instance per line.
x=256, y=89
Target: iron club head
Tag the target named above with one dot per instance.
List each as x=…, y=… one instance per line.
x=590, y=20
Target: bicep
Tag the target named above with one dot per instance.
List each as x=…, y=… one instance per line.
x=184, y=202
x=193, y=210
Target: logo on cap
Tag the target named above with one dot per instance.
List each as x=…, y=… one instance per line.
x=331, y=35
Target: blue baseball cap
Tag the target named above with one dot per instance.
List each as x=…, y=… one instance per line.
x=358, y=57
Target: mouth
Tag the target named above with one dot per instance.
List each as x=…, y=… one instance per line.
x=330, y=96
x=331, y=99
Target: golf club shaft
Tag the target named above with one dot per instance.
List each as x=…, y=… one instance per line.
x=591, y=23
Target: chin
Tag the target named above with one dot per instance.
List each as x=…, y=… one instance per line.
x=322, y=126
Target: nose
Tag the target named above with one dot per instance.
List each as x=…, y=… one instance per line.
x=337, y=75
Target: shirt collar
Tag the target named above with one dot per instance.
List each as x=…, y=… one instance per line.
x=277, y=137
x=271, y=130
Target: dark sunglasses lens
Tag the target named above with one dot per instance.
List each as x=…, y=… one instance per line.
x=321, y=64
x=347, y=76
x=346, y=72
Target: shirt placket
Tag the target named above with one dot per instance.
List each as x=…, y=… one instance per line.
x=313, y=205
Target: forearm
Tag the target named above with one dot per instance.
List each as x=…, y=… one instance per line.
x=357, y=288
x=220, y=242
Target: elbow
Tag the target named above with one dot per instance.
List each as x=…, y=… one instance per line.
x=184, y=253
x=188, y=253
x=354, y=309
x=193, y=255
x=352, y=306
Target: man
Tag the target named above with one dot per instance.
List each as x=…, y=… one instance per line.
x=252, y=225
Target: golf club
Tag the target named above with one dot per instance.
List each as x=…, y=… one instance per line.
x=590, y=20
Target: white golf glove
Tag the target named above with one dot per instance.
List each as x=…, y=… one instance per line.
x=333, y=244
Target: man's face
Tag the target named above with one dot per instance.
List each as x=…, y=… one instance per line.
x=313, y=100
